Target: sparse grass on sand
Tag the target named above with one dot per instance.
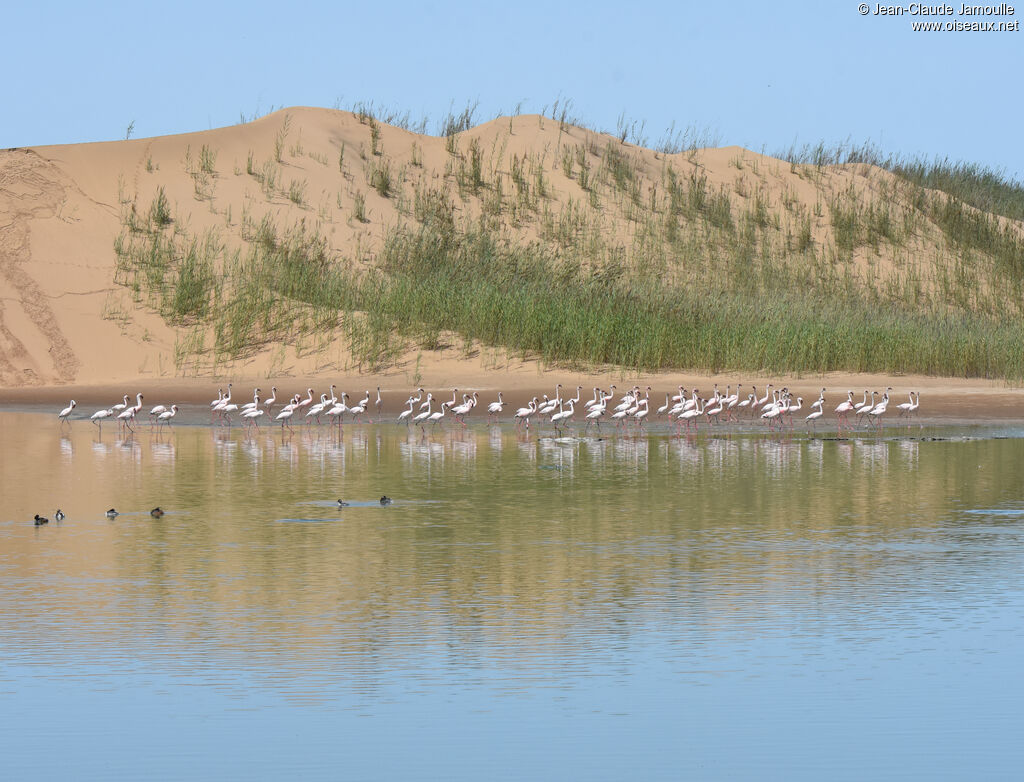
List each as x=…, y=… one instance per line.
x=591, y=256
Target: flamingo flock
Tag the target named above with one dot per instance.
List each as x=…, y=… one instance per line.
x=685, y=410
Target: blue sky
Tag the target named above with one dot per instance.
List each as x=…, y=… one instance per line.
x=763, y=75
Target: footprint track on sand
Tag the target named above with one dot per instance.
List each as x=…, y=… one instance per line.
x=30, y=188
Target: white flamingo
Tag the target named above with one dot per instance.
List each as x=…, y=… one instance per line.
x=287, y=412
x=494, y=409
x=120, y=407
x=760, y=403
x=878, y=410
x=166, y=416
x=99, y=416
x=405, y=415
x=691, y=416
x=906, y=407
x=63, y=414
x=595, y=415
x=523, y=413
x=435, y=418
x=460, y=412
x=843, y=409
x=421, y=417
x=564, y=415
x=252, y=416
x=129, y=414
x=813, y=417
x=643, y=412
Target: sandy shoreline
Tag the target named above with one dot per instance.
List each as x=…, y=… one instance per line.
x=951, y=398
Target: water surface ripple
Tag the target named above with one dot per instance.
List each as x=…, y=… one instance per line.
x=745, y=606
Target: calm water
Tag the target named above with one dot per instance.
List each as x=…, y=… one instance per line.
x=751, y=607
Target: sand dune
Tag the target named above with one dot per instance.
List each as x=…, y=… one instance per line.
x=66, y=320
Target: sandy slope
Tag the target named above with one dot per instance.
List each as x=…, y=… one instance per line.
x=64, y=321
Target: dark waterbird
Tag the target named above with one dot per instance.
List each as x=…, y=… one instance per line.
x=59, y=515
x=40, y=520
x=342, y=504
x=111, y=513
x=385, y=500
x=156, y=513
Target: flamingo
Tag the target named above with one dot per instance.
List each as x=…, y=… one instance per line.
x=155, y=411
x=857, y=407
x=866, y=408
x=129, y=414
x=813, y=417
x=595, y=415
x=494, y=409
x=564, y=415
x=226, y=411
x=715, y=411
x=760, y=403
x=731, y=403
x=166, y=416
x=338, y=409
x=665, y=407
x=642, y=413
x=627, y=400
x=269, y=403
x=691, y=403
x=751, y=400
x=307, y=401
x=791, y=408
x=124, y=405
x=435, y=418
x=878, y=410
x=317, y=409
x=421, y=417
x=252, y=416
x=746, y=403
x=844, y=408
x=620, y=415
x=286, y=413
x=357, y=410
x=772, y=412
x=548, y=407
x=691, y=415
x=917, y=403
x=467, y=405
x=98, y=417
x=218, y=404
x=405, y=414
x=63, y=414
x=906, y=407
x=523, y=413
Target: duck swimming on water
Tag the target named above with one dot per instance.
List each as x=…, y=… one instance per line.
x=59, y=515
x=111, y=513
x=385, y=500
x=40, y=520
x=342, y=504
x=156, y=513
